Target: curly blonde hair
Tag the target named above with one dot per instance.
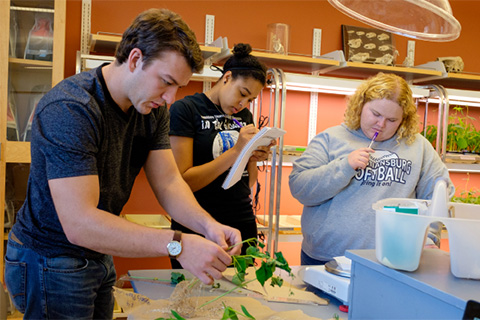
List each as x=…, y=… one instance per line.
x=385, y=86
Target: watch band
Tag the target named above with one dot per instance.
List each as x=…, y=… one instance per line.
x=177, y=236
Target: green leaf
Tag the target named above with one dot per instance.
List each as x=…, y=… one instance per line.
x=276, y=281
x=240, y=264
x=177, y=277
x=238, y=279
x=264, y=273
x=462, y=144
x=177, y=316
x=249, y=261
x=229, y=313
x=248, y=315
x=281, y=262
x=252, y=251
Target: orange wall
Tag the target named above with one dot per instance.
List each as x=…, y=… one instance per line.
x=246, y=21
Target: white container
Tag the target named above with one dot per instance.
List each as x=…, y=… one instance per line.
x=400, y=237
x=464, y=240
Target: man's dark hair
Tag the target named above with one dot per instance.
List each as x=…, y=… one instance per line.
x=155, y=31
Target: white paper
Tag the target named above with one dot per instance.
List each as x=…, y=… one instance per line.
x=343, y=263
x=263, y=138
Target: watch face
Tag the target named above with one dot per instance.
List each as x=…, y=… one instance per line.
x=174, y=248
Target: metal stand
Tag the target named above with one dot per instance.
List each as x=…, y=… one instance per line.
x=277, y=78
x=438, y=91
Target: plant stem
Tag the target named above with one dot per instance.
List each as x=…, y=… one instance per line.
x=225, y=293
x=241, y=243
x=149, y=278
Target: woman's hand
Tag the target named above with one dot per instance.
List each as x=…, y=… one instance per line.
x=358, y=159
x=246, y=134
x=262, y=152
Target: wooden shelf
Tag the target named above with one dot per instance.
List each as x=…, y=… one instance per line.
x=357, y=70
x=364, y=70
x=463, y=167
x=17, y=64
x=296, y=63
x=17, y=152
x=457, y=81
x=102, y=43
x=107, y=44
x=43, y=4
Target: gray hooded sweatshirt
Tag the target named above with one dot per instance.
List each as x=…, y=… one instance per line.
x=337, y=199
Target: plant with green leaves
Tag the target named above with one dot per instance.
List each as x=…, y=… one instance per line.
x=431, y=134
x=267, y=268
x=255, y=255
x=461, y=134
x=468, y=195
x=229, y=313
x=255, y=252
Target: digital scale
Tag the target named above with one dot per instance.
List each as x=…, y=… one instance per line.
x=331, y=278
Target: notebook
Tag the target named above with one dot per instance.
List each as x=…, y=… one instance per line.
x=262, y=138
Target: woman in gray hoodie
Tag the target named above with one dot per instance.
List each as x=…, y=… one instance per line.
x=342, y=173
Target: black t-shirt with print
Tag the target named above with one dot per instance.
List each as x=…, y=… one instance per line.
x=213, y=133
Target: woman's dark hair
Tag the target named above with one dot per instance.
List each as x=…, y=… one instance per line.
x=243, y=64
x=155, y=31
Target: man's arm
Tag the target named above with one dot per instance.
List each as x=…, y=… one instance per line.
x=85, y=225
x=177, y=199
x=76, y=201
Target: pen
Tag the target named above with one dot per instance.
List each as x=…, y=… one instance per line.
x=373, y=139
x=236, y=121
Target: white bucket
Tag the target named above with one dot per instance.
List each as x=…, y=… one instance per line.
x=464, y=240
x=400, y=237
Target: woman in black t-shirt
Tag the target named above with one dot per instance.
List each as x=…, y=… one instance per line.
x=207, y=133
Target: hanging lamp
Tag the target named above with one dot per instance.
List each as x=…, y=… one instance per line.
x=430, y=20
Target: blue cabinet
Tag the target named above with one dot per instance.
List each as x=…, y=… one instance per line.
x=431, y=292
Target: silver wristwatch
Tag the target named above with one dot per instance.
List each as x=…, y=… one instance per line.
x=174, y=247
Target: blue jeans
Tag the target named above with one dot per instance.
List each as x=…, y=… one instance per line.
x=61, y=287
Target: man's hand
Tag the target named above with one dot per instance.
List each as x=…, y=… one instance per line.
x=358, y=159
x=203, y=258
x=224, y=236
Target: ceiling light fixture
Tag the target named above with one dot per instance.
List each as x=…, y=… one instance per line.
x=430, y=20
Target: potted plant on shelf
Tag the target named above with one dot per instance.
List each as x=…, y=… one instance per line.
x=462, y=136
x=463, y=139
x=431, y=134
x=468, y=195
